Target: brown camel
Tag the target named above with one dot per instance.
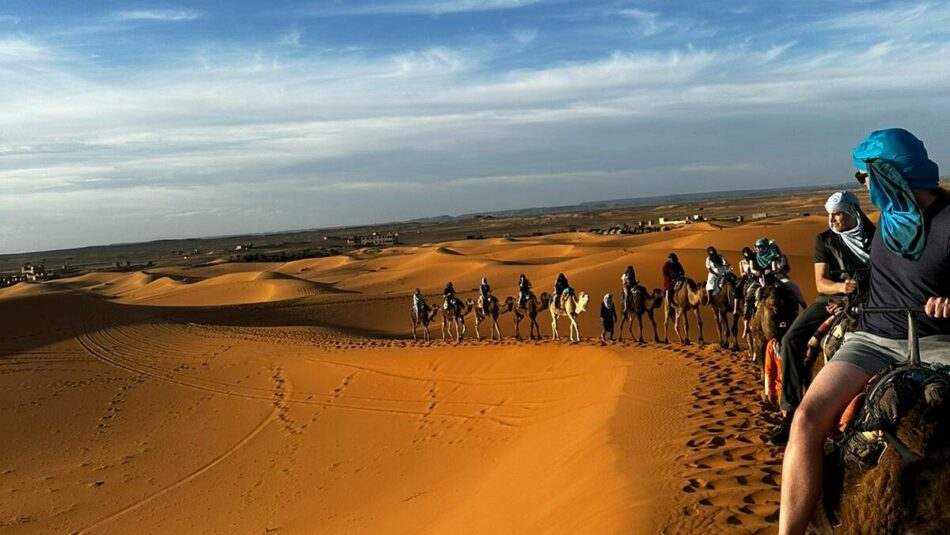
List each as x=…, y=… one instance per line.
x=689, y=296
x=531, y=308
x=774, y=313
x=494, y=310
x=455, y=315
x=894, y=491
x=571, y=307
x=635, y=305
x=427, y=316
x=723, y=304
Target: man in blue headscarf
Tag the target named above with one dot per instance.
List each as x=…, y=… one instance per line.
x=910, y=266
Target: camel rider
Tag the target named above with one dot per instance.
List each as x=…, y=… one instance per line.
x=760, y=269
x=561, y=286
x=910, y=267
x=746, y=274
x=418, y=302
x=840, y=251
x=524, y=290
x=485, y=290
x=449, y=294
x=673, y=272
x=779, y=271
x=717, y=267
x=629, y=281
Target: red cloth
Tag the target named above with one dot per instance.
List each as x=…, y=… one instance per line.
x=671, y=273
x=773, y=372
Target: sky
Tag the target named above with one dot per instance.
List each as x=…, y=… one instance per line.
x=125, y=121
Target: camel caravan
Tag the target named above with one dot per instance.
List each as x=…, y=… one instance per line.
x=680, y=299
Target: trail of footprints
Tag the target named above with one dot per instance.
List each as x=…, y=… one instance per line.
x=731, y=480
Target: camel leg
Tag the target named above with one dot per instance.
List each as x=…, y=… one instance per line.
x=414, y=331
x=623, y=320
x=554, y=334
x=667, y=312
x=496, y=330
x=640, y=325
x=685, y=317
x=735, y=331
x=656, y=333
x=535, y=328
x=574, y=329
x=699, y=320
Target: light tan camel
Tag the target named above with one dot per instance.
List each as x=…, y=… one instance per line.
x=455, y=315
x=571, y=307
x=494, y=310
x=689, y=296
x=635, y=305
x=532, y=307
x=427, y=316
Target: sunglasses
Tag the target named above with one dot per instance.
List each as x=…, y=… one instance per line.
x=861, y=177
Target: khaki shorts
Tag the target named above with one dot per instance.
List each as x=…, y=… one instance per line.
x=873, y=353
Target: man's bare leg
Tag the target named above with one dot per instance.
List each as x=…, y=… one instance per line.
x=815, y=419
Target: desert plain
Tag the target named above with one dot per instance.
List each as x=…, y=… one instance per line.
x=290, y=397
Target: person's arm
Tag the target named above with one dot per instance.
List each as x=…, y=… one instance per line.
x=938, y=307
x=709, y=267
x=827, y=286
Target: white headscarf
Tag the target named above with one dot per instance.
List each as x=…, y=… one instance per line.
x=608, y=300
x=847, y=202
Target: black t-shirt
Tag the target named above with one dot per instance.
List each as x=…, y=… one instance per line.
x=899, y=282
x=842, y=262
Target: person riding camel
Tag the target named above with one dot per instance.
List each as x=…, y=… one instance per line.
x=717, y=267
x=840, y=252
x=449, y=295
x=779, y=272
x=746, y=274
x=418, y=302
x=485, y=291
x=524, y=290
x=760, y=268
x=910, y=267
x=673, y=272
x=561, y=287
x=629, y=282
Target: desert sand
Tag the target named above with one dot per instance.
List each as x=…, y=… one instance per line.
x=290, y=398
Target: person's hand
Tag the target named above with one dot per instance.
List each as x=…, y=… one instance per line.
x=938, y=307
x=833, y=308
x=850, y=286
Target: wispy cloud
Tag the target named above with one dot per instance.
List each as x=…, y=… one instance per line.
x=158, y=15
x=421, y=7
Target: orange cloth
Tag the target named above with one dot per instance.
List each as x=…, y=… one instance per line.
x=773, y=372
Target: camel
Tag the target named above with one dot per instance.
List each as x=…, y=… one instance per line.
x=689, y=296
x=635, y=305
x=428, y=316
x=531, y=309
x=900, y=488
x=455, y=315
x=723, y=304
x=774, y=313
x=494, y=310
x=571, y=307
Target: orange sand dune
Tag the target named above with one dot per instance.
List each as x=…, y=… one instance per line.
x=289, y=398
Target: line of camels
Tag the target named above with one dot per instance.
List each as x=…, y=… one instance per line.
x=776, y=308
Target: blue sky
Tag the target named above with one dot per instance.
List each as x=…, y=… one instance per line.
x=127, y=121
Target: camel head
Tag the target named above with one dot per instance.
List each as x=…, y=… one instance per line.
x=509, y=304
x=656, y=297
x=582, y=300
x=779, y=307
x=545, y=300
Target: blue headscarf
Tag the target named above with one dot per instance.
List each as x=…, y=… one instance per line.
x=764, y=259
x=897, y=162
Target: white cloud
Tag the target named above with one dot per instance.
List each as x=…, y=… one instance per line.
x=158, y=15
x=422, y=7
